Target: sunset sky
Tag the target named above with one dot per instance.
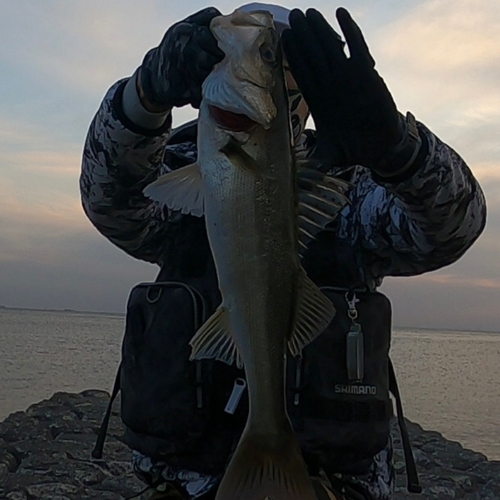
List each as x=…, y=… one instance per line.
x=439, y=58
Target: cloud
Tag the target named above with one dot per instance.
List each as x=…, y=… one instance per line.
x=18, y=133
x=443, y=60
x=115, y=30
x=83, y=271
x=487, y=170
x=450, y=302
x=449, y=39
x=58, y=163
x=30, y=226
x=453, y=280
x=63, y=207
x=38, y=184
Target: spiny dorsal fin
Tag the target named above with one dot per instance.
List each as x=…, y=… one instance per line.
x=314, y=312
x=214, y=341
x=180, y=190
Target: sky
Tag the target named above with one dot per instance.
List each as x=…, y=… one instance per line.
x=439, y=58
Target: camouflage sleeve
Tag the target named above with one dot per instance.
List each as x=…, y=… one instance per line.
x=119, y=160
x=421, y=224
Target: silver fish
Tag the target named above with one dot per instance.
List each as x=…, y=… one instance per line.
x=261, y=210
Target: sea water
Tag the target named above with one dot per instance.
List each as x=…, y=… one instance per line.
x=450, y=381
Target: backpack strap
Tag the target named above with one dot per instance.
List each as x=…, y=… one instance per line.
x=413, y=484
x=103, y=430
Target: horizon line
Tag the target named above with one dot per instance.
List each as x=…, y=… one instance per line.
x=123, y=314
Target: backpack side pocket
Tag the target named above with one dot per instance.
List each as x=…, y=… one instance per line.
x=163, y=394
x=342, y=423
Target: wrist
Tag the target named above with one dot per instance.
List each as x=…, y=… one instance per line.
x=135, y=110
x=402, y=157
x=146, y=103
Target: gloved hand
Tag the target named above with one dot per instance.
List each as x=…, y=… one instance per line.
x=356, y=119
x=172, y=73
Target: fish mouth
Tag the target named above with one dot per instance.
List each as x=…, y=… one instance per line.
x=235, y=122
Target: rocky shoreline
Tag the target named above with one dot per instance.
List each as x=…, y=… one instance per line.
x=45, y=454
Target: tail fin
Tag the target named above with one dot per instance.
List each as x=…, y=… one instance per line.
x=267, y=468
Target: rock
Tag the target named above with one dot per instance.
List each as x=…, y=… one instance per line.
x=16, y=495
x=52, y=490
x=45, y=453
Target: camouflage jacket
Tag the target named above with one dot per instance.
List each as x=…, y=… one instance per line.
x=403, y=228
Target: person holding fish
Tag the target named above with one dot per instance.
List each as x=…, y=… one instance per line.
x=272, y=241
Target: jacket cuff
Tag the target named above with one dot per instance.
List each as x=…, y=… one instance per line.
x=132, y=114
x=406, y=157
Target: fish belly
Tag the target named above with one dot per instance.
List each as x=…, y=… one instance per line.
x=251, y=233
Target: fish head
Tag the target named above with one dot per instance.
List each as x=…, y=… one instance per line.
x=239, y=91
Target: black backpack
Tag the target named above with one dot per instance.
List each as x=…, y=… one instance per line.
x=191, y=414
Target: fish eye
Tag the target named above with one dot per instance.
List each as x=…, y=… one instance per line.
x=268, y=54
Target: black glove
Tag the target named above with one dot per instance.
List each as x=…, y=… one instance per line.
x=172, y=73
x=356, y=119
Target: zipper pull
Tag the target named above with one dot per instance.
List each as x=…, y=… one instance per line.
x=240, y=384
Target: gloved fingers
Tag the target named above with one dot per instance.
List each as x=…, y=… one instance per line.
x=330, y=40
x=197, y=71
x=175, y=32
x=175, y=39
x=308, y=42
x=208, y=43
x=196, y=59
x=307, y=45
x=298, y=61
x=358, y=47
x=203, y=17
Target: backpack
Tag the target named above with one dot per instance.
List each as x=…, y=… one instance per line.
x=191, y=414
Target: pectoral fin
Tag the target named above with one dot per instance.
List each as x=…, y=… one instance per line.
x=320, y=200
x=314, y=312
x=214, y=341
x=180, y=190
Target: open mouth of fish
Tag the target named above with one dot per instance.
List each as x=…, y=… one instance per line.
x=235, y=122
